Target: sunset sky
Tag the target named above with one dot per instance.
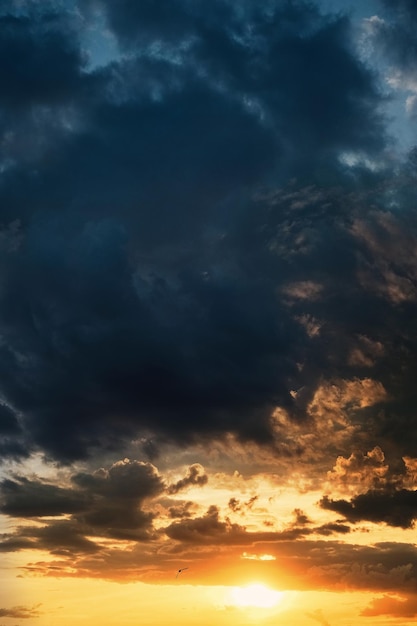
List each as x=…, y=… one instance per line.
x=208, y=312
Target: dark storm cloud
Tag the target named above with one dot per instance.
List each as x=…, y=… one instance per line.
x=29, y=498
x=12, y=443
x=39, y=60
x=148, y=291
x=349, y=318
x=276, y=57
x=41, y=70
x=395, y=34
x=398, y=508
x=403, y=7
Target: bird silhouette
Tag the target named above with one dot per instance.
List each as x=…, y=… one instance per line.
x=180, y=570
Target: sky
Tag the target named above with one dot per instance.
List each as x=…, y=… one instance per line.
x=208, y=295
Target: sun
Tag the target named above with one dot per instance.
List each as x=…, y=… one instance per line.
x=256, y=595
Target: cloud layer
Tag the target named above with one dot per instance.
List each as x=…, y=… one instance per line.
x=148, y=285
x=208, y=261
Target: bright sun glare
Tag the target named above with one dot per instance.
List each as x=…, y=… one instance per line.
x=255, y=595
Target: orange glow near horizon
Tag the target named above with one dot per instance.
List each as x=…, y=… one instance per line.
x=75, y=602
x=259, y=556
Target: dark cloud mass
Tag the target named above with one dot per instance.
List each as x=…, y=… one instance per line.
x=26, y=498
x=195, y=476
x=208, y=295
x=8, y=422
x=144, y=290
x=396, y=35
x=396, y=509
x=106, y=503
x=27, y=47
x=208, y=255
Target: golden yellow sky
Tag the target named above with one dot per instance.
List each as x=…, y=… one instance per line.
x=264, y=553
x=82, y=602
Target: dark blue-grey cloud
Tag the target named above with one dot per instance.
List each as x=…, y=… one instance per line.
x=40, y=61
x=146, y=285
x=396, y=508
x=26, y=498
x=394, y=34
x=8, y=422
x=12, y=439
x=403, y=8
x=276, y=59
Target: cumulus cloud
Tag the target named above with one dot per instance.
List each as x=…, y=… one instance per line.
x=195, y=476
x=410, y=477
x=124, y=479
x=301, y=519
x=118, y=496
x=237, y=506
x=360, y=472
x=107, y=503
x=206, y=529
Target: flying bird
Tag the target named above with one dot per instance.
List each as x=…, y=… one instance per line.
x=180, y=570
